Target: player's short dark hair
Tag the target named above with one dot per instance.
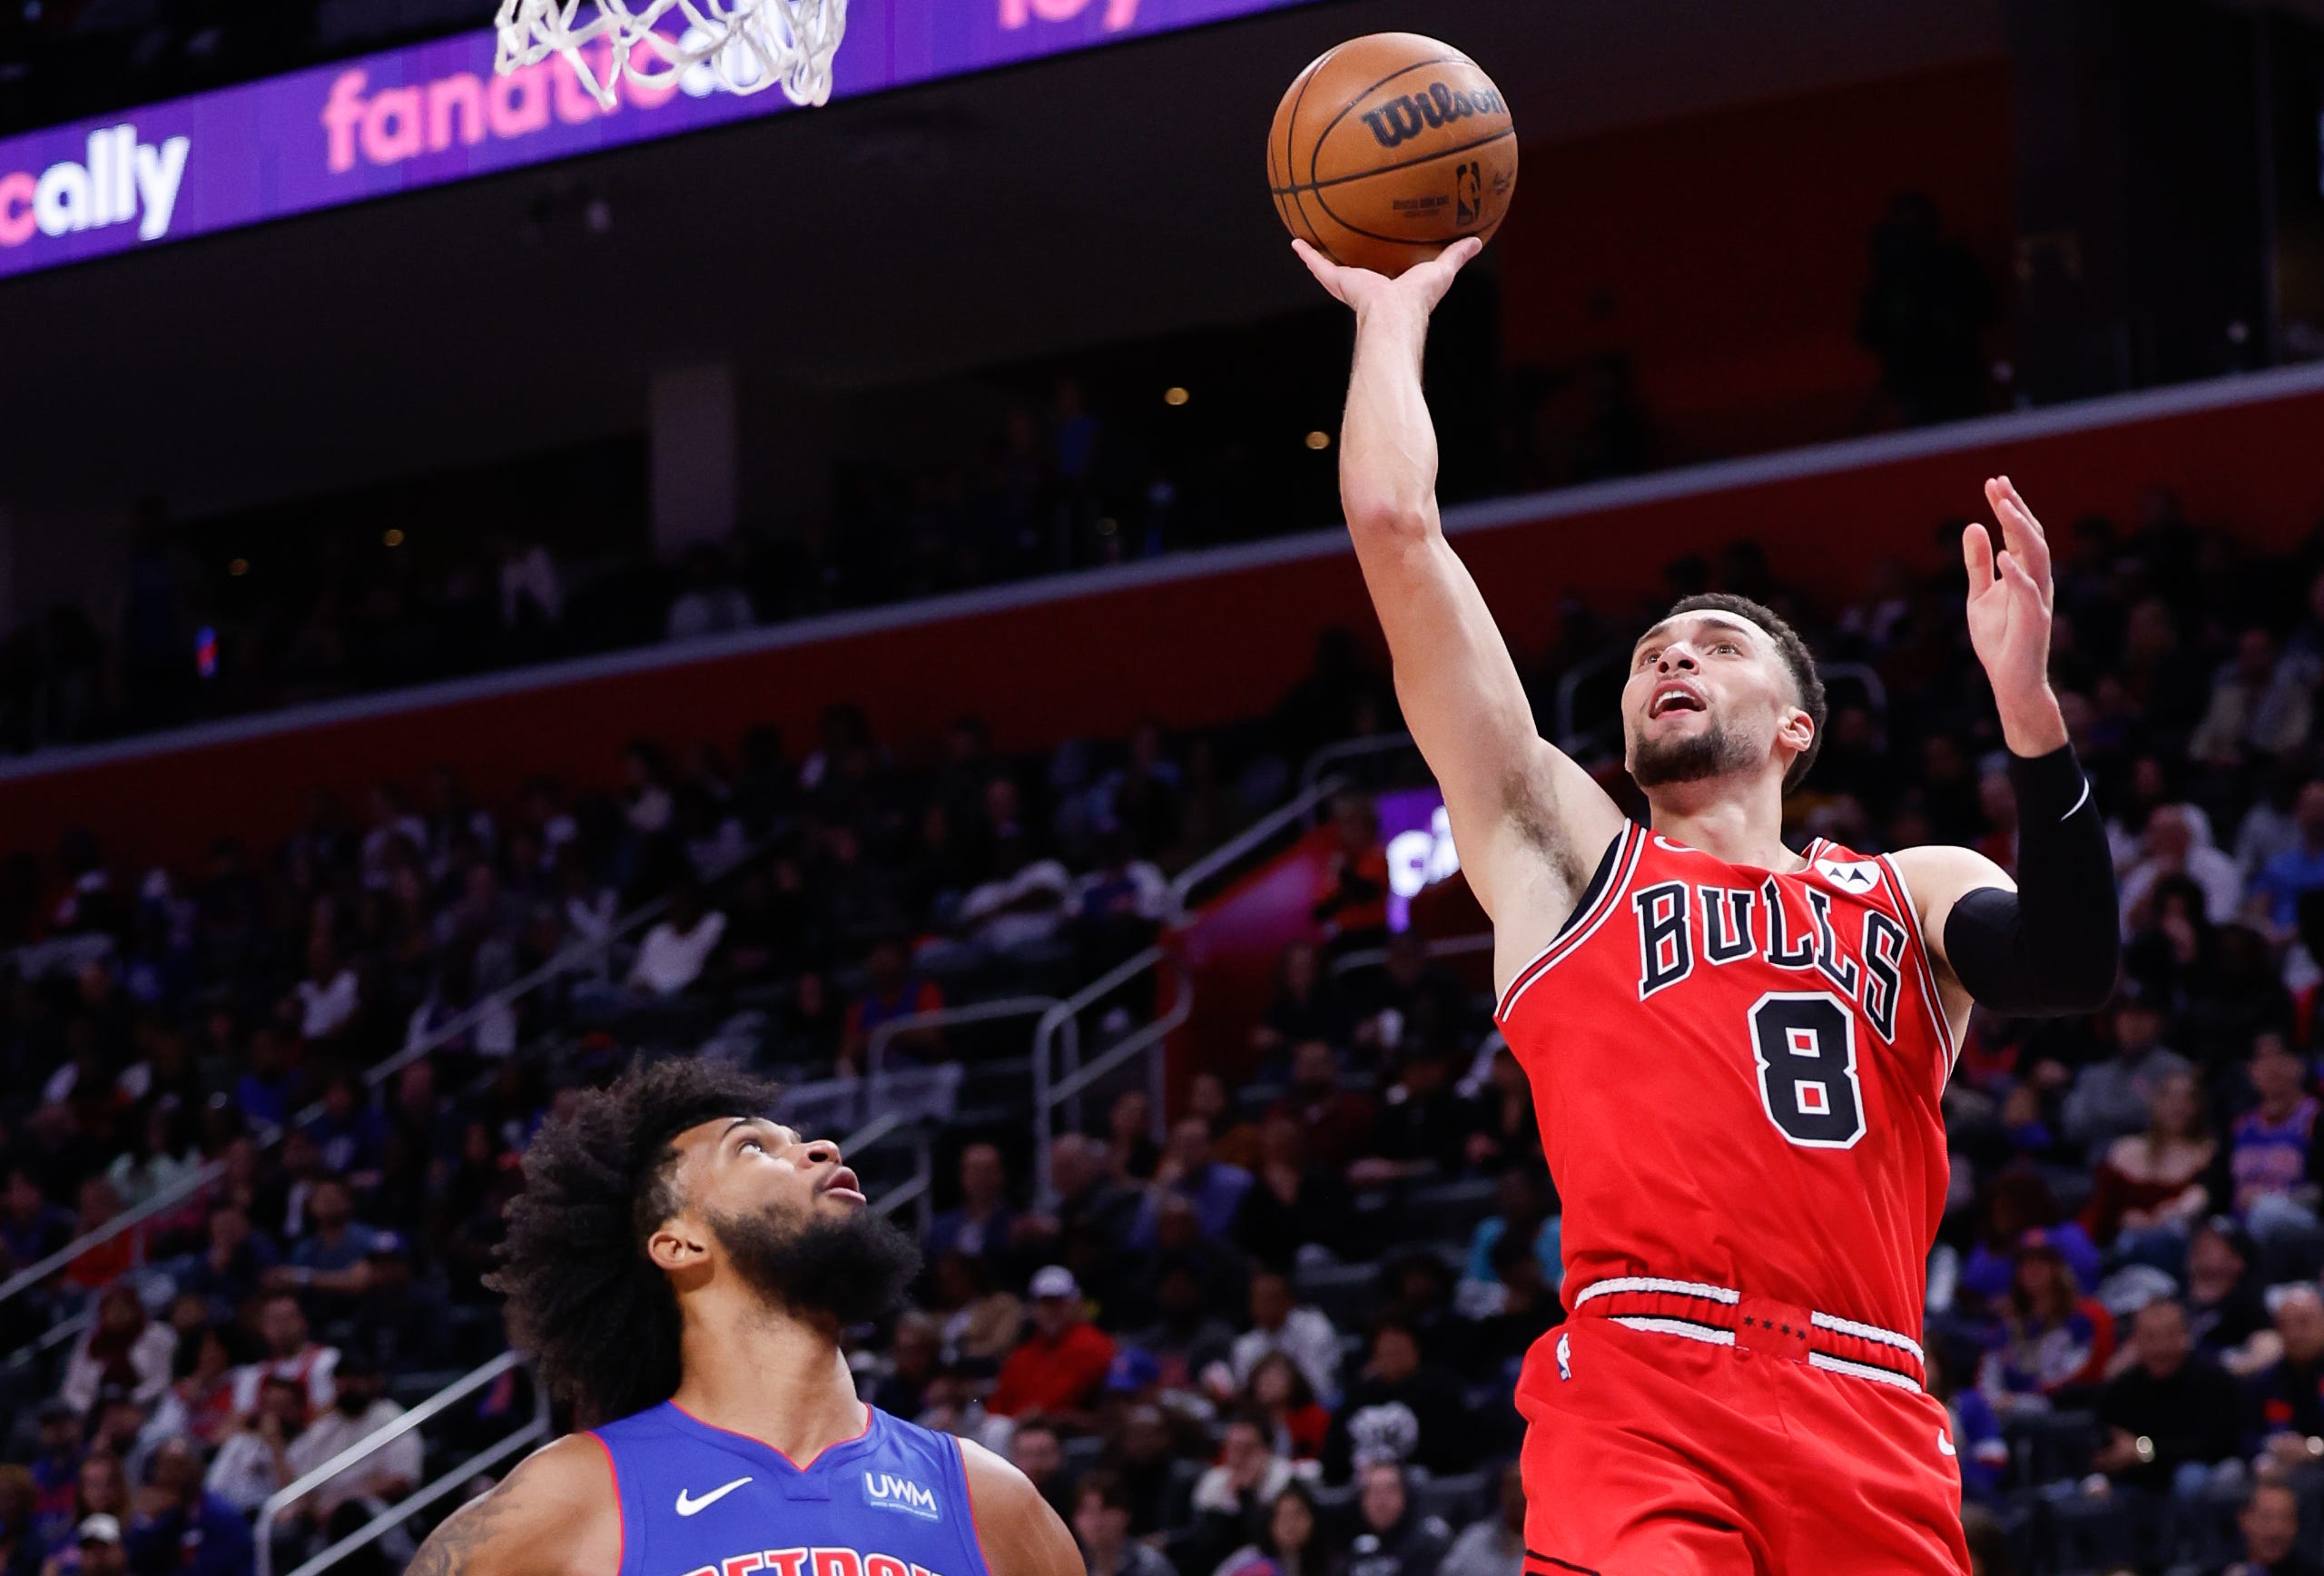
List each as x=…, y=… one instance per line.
x=1796, y=656
x=598, y=1316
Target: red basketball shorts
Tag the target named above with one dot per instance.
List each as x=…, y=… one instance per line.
x=1653, y=1452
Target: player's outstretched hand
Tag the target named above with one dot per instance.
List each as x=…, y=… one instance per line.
x=2009, y=610
x=1423, y=285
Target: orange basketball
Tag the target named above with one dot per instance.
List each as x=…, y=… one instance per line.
x=1389, y=149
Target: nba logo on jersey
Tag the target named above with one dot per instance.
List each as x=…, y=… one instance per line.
x=1850, y=875
x=887, y=1491
x=1565, y=1357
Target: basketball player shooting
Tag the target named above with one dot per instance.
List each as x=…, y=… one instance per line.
x=1736, y=1052
x=682, y=1267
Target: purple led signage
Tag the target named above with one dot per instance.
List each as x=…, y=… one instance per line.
x=435, y=112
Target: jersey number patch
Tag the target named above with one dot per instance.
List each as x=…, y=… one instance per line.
x=1805, y=1044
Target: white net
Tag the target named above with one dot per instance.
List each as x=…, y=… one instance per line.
x=747, y=45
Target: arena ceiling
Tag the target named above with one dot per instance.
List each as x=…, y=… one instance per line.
x=1112, y=194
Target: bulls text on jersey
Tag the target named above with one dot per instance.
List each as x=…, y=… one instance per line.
x=1683, y=926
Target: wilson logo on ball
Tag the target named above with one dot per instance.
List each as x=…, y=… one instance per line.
x=1400, y=119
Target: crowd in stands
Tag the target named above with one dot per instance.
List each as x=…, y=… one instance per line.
x=1279, y=1340
x=1038, y=471
x=207, y=1043
x=225, y=618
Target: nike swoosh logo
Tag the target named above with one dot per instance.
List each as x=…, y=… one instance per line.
x=688, y=1505
x=2079, y=802
x=1944, y=1445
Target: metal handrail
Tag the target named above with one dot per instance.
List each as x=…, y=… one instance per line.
x=1350, y=750
x=871, y=1133
x=1252, y=836
x=371, y=1444
x=56, y=1336
x=920, y=1191
x=416, y=1501
x=875, y=1048
x=161, y=1203
x=571, y=958
x=1146, y=1042
x=1130, y=1045
x=1064, y=1019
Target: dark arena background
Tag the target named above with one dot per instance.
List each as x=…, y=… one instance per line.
x=491, y=587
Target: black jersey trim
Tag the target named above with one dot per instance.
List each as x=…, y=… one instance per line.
x=1615, y=868
x=1597, y=887
x=1930, y=994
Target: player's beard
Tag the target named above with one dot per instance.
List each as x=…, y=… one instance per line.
x=1718, y=751
x=853, y=1267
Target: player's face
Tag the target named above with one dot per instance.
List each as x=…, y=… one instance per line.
x=1706, y=697
x=782, y=1219
x=749, y=1166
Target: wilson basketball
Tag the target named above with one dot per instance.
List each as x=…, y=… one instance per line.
x=1390, y=148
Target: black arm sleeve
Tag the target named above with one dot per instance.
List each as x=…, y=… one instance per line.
x=2053, y=946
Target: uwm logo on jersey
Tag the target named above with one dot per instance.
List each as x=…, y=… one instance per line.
x=1684, y=926
x=812, y=1563
x=887, y=1491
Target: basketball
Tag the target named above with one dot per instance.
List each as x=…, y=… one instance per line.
x=1390, y=148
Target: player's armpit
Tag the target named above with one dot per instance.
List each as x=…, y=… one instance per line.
x=1019, y=1534
x=557, y=1514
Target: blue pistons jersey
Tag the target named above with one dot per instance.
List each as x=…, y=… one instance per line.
x=697, y=1500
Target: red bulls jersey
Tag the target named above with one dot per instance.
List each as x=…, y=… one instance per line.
x=1737, y=1073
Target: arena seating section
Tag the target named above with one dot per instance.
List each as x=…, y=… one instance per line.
x=159, y=1019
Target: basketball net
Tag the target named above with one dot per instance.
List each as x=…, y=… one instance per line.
x=749, y=45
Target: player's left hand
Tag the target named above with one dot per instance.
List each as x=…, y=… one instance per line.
x=2010, y=600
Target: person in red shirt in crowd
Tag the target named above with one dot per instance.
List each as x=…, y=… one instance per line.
x=893, y=992
x=109, y=1260
x=1353, y=906
x=1055, y=1371
x=1277, y=1387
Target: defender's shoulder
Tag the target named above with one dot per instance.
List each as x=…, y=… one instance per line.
x=557, y=1514
x=1019, y=1534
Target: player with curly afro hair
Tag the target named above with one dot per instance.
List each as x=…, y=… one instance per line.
x=588, y=1294
x=682, y=1268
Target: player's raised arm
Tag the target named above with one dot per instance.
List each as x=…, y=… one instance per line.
x=2048, y=942
x=554, y=1516
x=1529, y=823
